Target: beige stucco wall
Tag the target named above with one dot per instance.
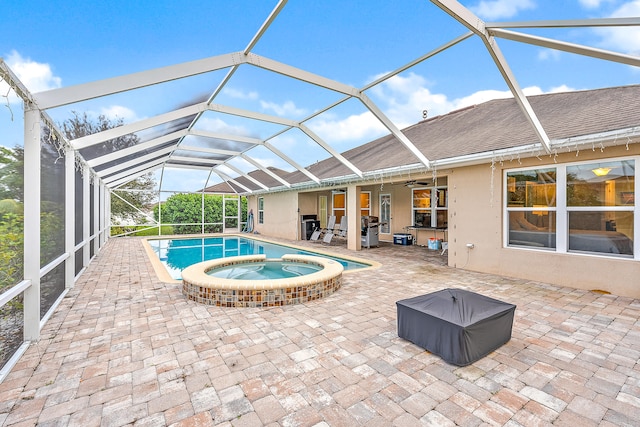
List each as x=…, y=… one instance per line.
x=475, y=216
x=400, y=206
x=281, y=218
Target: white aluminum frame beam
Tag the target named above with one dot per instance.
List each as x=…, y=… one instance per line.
x=394, y=130
x=330, y=149
x=229, y=179
x=475, y=24
x=211, y=162
x=137, y=161
x=136, y=148
x=114, y=185
x=207, y=150
x=251, y=115
x=568, y=23
x=351, y=91
x=82, y=92
x=567, y=47
x=119, y=131
x=265, y=170
x=292, y=162
x=249, y=177
x=220, y=135
x=132, y=171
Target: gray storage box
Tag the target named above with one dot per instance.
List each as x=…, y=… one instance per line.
x=459, y=326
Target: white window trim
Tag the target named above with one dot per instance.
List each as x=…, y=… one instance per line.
x=260, y=211
x=434, y=208
x=561, y=209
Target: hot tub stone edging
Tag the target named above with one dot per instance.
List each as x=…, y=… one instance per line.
x=198, y=286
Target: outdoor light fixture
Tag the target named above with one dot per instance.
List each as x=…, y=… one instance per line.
x=601, y=171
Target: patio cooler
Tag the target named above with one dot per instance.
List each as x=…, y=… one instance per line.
x=403, y=239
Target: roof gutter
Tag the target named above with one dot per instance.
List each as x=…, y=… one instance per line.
x=600, y=140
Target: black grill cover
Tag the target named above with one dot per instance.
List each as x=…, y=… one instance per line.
x=459, y=326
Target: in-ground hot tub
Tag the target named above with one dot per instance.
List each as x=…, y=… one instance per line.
x=240, y=286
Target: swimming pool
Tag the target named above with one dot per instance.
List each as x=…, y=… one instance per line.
x=176, y=254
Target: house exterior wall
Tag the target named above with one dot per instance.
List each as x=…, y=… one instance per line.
x=308, y=204
x=281, y=218
x=400, y=206
x=476, y=216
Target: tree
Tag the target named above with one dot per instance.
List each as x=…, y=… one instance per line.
x=80, y=125
x=139, y=192
x=11, y=173
x=184, y=211
x=138, y=195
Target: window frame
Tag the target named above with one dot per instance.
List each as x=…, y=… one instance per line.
x=562, y=210
x=260, y=210
x=434, y=208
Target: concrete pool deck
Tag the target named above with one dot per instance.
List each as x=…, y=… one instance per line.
x=125, y=348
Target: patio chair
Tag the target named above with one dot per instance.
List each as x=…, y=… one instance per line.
x=342, y=232
x=327, y=238
x=321, y=232
x=342, y=229
x=315, y=236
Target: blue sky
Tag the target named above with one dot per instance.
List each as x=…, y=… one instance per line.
x=51, y=44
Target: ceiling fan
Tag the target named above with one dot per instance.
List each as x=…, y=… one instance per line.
x=415, y=183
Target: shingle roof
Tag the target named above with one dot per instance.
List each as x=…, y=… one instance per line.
x=259, y=175
x=493, y=125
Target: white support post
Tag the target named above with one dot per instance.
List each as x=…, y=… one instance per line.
x=224, y=213
x=202, y=211
x=107, y=215
x=69, y=216
x=353, y=218
x=103, y=210
x=32, y=172
x=239, y=213
x=96, y=215
x=86, y=210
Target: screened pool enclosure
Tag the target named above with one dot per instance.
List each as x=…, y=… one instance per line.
x=65, y=191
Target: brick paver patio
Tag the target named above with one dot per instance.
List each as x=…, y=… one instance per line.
x=124, y=348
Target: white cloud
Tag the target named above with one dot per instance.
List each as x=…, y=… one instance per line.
x=407, y=97
x=288, y=109
x=354, y=127
x=119, y=112
x=498, y=9
x=218, y=125
x=622, y=39
x=487, y=95
x=35, y=76
x=403, y=100
x=549, y=55
x=239, y=94
x=593, y=4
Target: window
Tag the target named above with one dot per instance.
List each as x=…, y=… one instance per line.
x=385, y=213
x=323, y=211
x=365, y=203
x=584, y=207
x=430, y=207
x=339, y=205
x=260, y=210
x=531, y=206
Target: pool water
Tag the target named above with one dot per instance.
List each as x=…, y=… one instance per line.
x=267, y=270
x=178, y=254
